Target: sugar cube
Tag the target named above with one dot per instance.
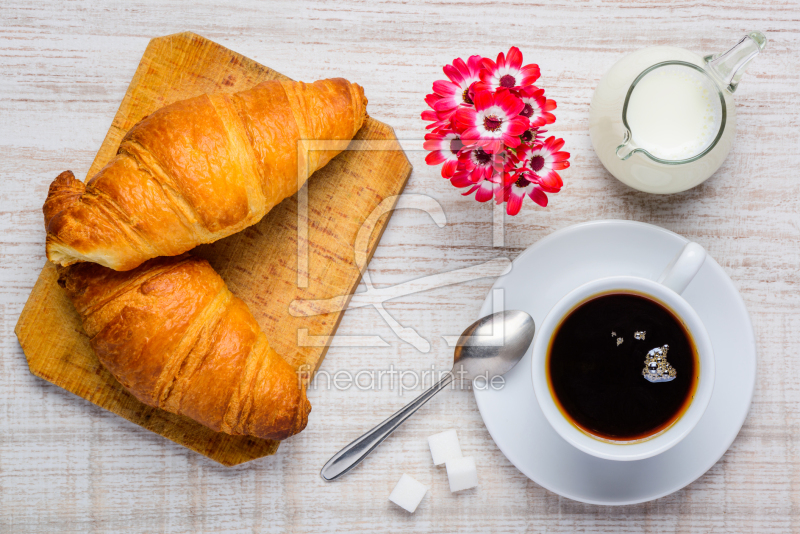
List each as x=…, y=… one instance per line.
x=461, y=473
x=408, y=493
x=444, y=446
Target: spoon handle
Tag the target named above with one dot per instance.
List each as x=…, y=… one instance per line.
x=352, y=455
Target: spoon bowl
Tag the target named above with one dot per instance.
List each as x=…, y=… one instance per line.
x=494, y=344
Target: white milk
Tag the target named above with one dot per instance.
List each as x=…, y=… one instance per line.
x=674, y=112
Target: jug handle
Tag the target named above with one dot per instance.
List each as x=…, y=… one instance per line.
x=727, y=68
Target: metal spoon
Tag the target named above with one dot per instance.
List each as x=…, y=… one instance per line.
x=489, y=347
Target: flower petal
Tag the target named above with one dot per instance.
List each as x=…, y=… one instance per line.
x=509, y=103
x=449, y=167
x=538, y=196
x=437, y=124
x=432, y=98
x=471, y=136
x=530, y=73
x=474, y=64
x=432, y=144
x=552, y=144
x=466, y=117
x=560, y=165
x=517, y=126
x=454, y=71
x=511, y=140
x=471, y=189
x=461, y=180
x=445, y=88
x=485, y=192
x=483, y=100
x=482, y=86
x=514, y=58
x=514, y=203
x=434, y=158
x=445, y=106
x=476, y=175
x=551, y=181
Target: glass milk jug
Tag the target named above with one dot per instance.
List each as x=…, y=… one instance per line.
x=662, y=119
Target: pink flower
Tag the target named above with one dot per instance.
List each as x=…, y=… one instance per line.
x=493, y=122
x=483, y=173
x=516, y=191
x=535, y=174
x=538, y=164
x=507, y=72
x=486, y=124
x=455, y=93
x=476, y=164
x=444, y=146
x=537, y=107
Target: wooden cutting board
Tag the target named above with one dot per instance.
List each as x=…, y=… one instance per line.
x=260, y=264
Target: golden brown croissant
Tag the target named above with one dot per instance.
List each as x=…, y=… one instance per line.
x=173, y=335
x=199, y=170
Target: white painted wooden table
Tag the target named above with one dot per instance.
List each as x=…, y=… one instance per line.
x=68, y=466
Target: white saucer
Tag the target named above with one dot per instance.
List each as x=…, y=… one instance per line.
x=548, y=270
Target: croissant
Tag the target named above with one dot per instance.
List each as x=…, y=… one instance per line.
x=199, y=170
x=173, y=335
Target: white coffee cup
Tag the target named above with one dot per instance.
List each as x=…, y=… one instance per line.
x=666, y=291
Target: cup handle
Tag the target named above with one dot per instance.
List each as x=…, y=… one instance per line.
x=683, y=267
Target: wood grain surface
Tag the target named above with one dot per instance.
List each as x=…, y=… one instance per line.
x=68, y=466
x=260, y=264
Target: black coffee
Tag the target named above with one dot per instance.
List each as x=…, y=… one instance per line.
x=596, y=361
